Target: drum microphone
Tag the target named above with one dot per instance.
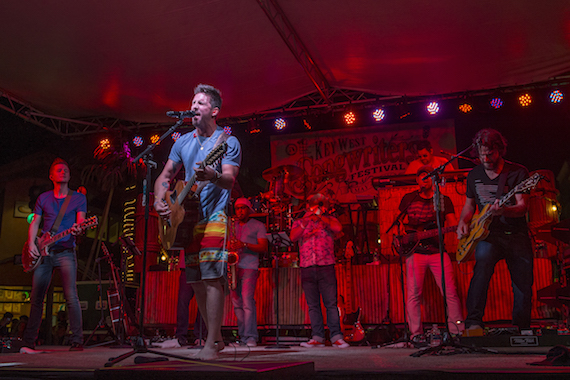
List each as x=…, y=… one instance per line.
x=181, y=114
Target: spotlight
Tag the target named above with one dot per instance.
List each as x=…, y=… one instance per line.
x=252, y=127
x=175, y=135
x=280, y=123
x=137, y=141
x=496, y=103
x=349, y=118
x=105, y=144
x=307, y=125
x=525, y=100
x=433, y=108
x=378, y=114
x=556, y=96
x=154, y=138
x=465, y=108
x=228, y=130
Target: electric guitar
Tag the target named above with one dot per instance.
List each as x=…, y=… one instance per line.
x=353, y=331
x=407, y=243
x=479, y=227
x=168, y=227
x=45, y=241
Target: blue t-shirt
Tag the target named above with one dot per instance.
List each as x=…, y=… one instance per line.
x=48, y=207
x=249, y=233
x=186, y=150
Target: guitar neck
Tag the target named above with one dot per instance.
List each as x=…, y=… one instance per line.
x=429, y=233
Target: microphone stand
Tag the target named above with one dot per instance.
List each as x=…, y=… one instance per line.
x=447, y=340
x=139, y=343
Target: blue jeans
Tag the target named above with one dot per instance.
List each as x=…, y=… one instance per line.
x=516, y=249
x=320, y=282
x=66, y=262
x=244, y=303
x=185, y=294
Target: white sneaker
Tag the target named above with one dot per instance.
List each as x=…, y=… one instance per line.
x=340, y=344
x=312, y=343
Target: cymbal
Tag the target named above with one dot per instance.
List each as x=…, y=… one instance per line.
x=291, y=172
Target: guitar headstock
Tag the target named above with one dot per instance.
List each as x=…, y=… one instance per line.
x=349, y=249
x=216, y=153
x=529, y=183
x=90, y=223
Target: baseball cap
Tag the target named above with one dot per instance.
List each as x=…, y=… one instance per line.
x=243, y=202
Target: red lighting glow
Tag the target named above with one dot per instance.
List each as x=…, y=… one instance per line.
x=349, y=118
x=137, y=141
x=525, y=100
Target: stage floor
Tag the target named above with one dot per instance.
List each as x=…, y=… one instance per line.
x=56, y=362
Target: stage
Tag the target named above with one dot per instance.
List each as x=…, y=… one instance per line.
x=56, y=362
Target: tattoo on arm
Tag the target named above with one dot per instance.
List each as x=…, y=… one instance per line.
x=165, y=185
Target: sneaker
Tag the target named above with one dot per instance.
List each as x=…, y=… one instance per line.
x=76, y=347
x=251, y=342
x=419, y=341
x=312, y=343
x=340, y=344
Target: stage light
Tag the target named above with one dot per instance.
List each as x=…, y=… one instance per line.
x=433, y=108
x=154, y=139
x=554, y=208
x=137, y=141
x=556, y=96
x=525, y=100
x=349, y=118
x=228, y=130
x=378, y=114
x=496, y=103
x=175, y=135
x=306, y=124
x=280, y=123
x=465, y=108
x=253, y=127
x=105, y=144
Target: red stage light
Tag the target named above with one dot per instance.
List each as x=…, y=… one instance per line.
x=175, y=135
x=349, y=118
x=105, y=144
x=465, y=108
x=378, y=114
x=307, y=125
x=154, y=139
x=525, y=100
x=280, y=123
x=137, y=141
x=556, y=96
x=433, y=108
x=228, y=130
x=496, y=103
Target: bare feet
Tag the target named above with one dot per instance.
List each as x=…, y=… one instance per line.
x=220, y=345
x=207, y=353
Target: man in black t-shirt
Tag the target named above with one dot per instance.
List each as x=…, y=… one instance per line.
x=508, y=238
x=419, y=212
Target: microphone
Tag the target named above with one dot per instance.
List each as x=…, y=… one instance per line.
x=181, y=114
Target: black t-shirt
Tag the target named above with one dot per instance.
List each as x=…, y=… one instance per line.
x=421, y=216
x=484, y=190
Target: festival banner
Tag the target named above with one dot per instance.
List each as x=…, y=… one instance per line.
x=341, y=163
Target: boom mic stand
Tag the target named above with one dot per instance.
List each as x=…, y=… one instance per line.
x=447, y=340
x=139, y=343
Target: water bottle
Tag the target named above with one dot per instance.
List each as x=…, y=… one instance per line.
x=435, y=336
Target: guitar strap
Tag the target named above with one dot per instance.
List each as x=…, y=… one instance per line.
x=221, y=138
x=57, y=222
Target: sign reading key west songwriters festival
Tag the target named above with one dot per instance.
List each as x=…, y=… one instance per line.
x=342, y=162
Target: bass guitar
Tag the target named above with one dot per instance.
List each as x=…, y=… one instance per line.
x=168, y=227
x=407, y=243
x=479, y=227
x=353, y=331
x=45, y=241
